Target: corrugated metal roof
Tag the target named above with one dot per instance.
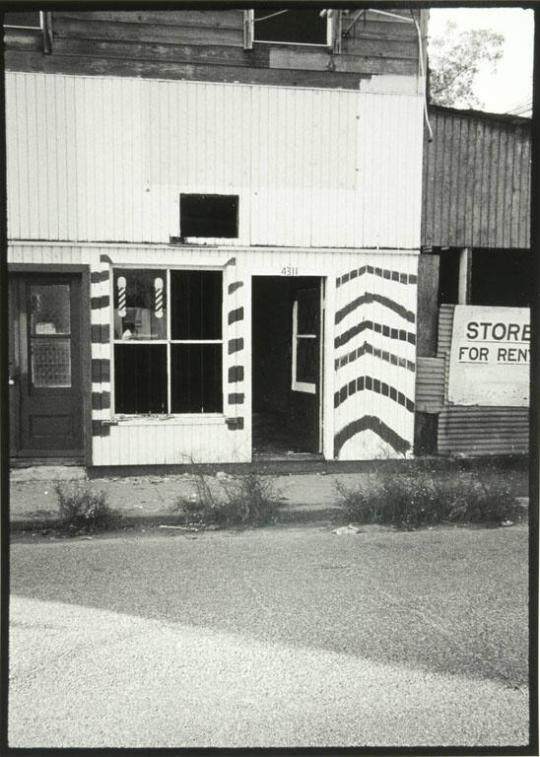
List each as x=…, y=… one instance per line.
x=476, y=180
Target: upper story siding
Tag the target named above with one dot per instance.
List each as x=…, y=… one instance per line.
x=476, y=180
x=105, y=159
x=209, y=46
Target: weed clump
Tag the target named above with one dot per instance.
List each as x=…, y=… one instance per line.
x=412, y=500
x=83, y=511
x=247, y=502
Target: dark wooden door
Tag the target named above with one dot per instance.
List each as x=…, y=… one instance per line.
x=306, y=368
x=45, y=366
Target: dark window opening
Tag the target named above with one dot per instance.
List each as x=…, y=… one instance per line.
x=502, y=277
x=23, y=20
x=449, y=277
x=303, y=26
x=140, y=378
x=196, y=378
x=204, y=215
x=196, y=305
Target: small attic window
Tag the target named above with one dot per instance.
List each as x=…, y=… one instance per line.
x=303, y=26
x=208, y=216
x=31, y=20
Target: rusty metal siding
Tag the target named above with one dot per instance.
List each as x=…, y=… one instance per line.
x=115, y=154
x=430, y=378
x=473, y=430
x=476, y=181
x=483, y=430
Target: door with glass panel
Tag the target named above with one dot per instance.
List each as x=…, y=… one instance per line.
x=45, y=366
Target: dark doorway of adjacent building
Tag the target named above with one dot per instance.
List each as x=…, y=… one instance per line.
x=287, y=365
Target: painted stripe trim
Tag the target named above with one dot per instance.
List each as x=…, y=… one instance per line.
x=234, y=424
x=371, y=423
x=105, y=259
x=368, y=383
x=101, y=370
x=369, y=297
x=100, y=333
x=379, y=328
x=235, y=286
x=235, y=345
x=100, y=429
x=236, y=373
x=369, y=349
x=236, y=315
x=236, y=399
x=383, y=273
x=98, y=277
x=96, y=303
x=101, y=400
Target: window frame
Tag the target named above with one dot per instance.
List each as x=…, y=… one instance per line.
x=41, y=26
x=250, y=37
x=167, y=342
x=308, y=387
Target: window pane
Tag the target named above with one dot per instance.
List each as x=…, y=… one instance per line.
x=308, y=311
x=196, y=304
x=22, y=19
x=49, y=309
x=140, y=304
x=51, y=362
x=140, y=378
x=307, y=360
x=303, y=26
x=196, y=378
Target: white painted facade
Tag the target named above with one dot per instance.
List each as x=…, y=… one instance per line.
x=329, y=183
x=105, y=159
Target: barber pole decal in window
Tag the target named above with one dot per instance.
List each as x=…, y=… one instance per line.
x=121, y=284
x=158, y=302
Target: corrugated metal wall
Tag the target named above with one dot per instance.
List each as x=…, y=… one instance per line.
x=476, y=181
x=476, y=430
x=105, y=159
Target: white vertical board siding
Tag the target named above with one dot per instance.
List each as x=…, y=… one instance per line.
x=105, y=158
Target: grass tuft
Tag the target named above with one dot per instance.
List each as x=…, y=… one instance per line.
x=83, y=511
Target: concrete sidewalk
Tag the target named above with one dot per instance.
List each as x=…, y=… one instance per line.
x=150, y=498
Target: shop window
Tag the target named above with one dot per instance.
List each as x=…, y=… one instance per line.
x=30, y=20
x=293, y=25
x=206, y=215
x=167, y=358
x=502, y=277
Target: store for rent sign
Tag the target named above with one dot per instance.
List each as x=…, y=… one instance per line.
x=490, y=356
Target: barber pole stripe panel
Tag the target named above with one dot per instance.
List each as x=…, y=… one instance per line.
x=100, y=331
x=375, y=379
x=235, y=334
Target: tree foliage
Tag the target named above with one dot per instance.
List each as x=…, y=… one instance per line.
x=456, y=59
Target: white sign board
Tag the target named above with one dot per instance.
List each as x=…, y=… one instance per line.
x=490, y=356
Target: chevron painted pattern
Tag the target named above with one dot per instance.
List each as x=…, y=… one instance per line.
x=375, y=358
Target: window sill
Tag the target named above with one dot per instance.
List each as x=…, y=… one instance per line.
x=191, y=419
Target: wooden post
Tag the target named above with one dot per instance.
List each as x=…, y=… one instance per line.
x=464, y=284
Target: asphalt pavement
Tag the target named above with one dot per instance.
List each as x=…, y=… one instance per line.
x=276, y=637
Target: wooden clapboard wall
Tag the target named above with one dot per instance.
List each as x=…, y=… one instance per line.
x=476, y=180
x=209, y=46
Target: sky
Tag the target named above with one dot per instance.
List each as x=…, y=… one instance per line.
x=510, y=88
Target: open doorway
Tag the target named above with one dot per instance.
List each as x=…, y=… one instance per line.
x=287, y=373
